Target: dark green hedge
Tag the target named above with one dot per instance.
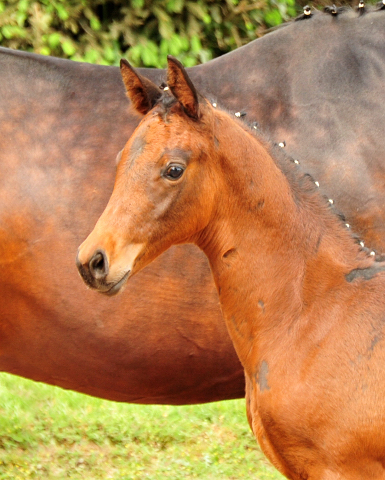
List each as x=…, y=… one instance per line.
x=143, y=31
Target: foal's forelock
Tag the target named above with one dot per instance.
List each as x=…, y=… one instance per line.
x=165, y=103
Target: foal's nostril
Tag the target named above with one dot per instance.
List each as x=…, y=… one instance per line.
x=99, y=265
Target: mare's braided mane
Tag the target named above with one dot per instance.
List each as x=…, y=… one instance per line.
x=333, y=10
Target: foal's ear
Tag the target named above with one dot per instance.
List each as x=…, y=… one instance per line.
x=182, y=88
x=141, y=91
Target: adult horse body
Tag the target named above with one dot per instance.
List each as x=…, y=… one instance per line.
x=56, y=138
x=303, y=302
x=62, y=123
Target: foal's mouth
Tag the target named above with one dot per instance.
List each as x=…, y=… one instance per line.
x=117, y=287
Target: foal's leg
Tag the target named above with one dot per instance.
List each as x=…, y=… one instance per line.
x=259, y=430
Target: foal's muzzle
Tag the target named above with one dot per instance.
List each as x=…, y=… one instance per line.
x=95, y=271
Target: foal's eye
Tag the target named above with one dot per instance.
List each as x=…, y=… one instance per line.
x=174, y=172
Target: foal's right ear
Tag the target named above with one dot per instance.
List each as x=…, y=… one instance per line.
x=182, y=87
x=142, y=92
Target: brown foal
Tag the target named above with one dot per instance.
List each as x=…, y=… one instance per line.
x=303, y=303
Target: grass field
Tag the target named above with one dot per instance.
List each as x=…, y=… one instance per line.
x=50, y=433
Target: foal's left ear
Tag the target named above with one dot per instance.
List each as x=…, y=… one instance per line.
x=142, y=92
x=182, y=88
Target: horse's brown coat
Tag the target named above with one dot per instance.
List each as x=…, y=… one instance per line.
x=307, y=327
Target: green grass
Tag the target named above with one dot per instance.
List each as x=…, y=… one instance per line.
x=50, y=433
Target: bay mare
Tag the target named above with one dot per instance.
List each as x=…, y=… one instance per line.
x=316, y=84
x=303, y=302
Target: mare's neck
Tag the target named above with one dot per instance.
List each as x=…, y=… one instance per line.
x=275, y=248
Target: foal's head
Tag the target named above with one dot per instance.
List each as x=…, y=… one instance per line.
x=164, y=190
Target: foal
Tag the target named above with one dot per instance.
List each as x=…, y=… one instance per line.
x=303, y=303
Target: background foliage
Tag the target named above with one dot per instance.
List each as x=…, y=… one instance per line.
x=144, y=31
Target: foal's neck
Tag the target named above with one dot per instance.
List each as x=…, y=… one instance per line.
x=274, y=246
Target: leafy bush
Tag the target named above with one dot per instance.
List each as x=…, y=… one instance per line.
x=145, y=31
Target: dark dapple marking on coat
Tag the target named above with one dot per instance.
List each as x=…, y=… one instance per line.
x=364, y=274
x=261, y=376
x=261, y=305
